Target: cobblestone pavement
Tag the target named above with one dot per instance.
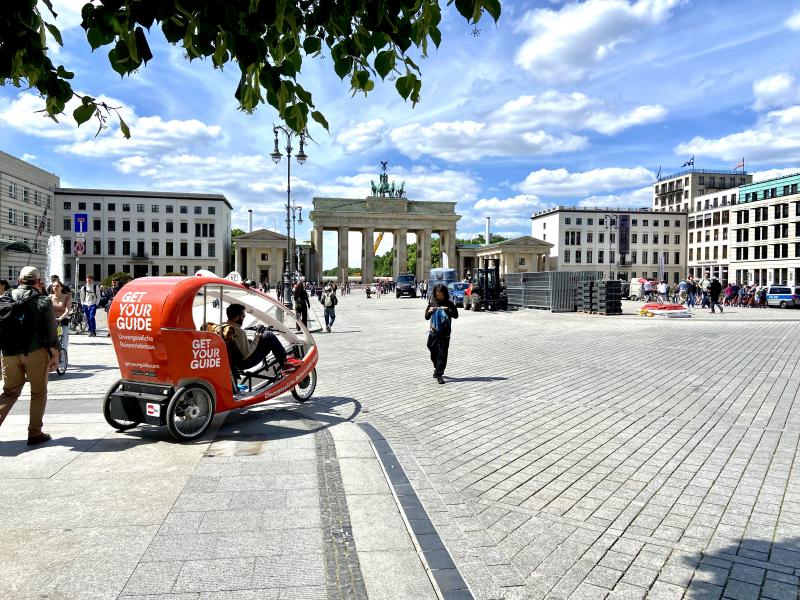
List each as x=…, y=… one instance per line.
x=579, y=456
x=567, y=456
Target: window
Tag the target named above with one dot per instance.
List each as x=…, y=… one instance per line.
x=12, y=216
x=588, y=256
x=212, y=210
x=655, y=238
x=25, y=219
x=677, y=238
x=81, y=205
x=96, y=249
x=589, y=237
x=590, y=222
x=600, y=257
x=140, y=226
x=655, y=257
x=67, y=246
x=67, y=205
x=198, y=210
x=111, y=206
x=140, y=208
x=112, y=225
x=716, y=252
x=67, y=225
x=212, y=252
x=634, y=238
x=707, y=253
x=184, y=210
x=170, y=269
x=725, y=233
x=645, y=238
x=205, y=232
x=211, y=230
x=154, y=248
x=601, y=237
x=716, y=235
x=725, y=252
x=126, y=208
x=184, y=227
x=566, y=256
x=702, y=180
x=154, y=226
x=126, y=225
x=197, y=230
x=577, y=256
x=12, y=190
x=645, y=222
x=634, y=257
x=126, y=247
x=170, y=226
x=170, y=209
x=578, y=221
x=634, y=222
x=97, y=225
x=198, y=249
x=184, y=249
x=169, y=250
x=96, y=206
x=155, y=270
x=112, y=247
x=611, y=258
x=154, y=208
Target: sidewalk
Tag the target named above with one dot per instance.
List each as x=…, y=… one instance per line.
x=286, y=503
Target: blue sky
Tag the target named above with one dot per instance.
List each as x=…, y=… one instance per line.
x=559, y=103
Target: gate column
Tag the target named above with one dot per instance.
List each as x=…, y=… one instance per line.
x=343, y=271
x=367, y=255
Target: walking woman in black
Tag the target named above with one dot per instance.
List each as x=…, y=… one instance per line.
x=440, y=312
x=301, y=302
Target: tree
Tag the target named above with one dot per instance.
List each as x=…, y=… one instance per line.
x=266, y=39
x=235, y=232
x=481, y=239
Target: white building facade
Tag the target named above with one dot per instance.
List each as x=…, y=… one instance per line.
x=26, y=192
x=709, y=234
x=144, y=233
x=594, y=239
x=679, y=192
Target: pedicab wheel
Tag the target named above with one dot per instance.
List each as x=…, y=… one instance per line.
x=304, y=390
x=189, y=412
x=62, y=362
x=118, y=425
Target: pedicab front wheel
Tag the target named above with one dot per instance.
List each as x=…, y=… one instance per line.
x=305, y=389
x=116, y=424
x=189, y=412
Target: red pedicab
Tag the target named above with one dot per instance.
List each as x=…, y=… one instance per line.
x=174, y=362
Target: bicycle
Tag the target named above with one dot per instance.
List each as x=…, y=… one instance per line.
x=77, y=320
x=63, y=361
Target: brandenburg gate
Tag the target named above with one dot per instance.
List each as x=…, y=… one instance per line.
x=385, y=210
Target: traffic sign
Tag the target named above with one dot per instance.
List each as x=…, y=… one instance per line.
x=81, y=222
x=80, y=247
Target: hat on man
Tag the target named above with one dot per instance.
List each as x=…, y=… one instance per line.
x=29, y=274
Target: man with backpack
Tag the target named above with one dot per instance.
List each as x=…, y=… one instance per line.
x=329, y=301
x=90, y=296
x=29, y=343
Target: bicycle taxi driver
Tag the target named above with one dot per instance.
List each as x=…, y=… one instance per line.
x=245, y=353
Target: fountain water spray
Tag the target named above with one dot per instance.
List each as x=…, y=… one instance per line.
x=55, y=257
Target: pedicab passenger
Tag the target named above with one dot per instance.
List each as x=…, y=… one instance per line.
x=244, y=353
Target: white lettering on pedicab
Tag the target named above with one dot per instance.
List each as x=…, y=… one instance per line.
x=134, y=315
x=205, y=357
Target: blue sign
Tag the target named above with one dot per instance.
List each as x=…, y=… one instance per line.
x=81, y=224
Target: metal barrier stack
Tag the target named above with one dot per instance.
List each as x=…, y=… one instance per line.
x=609, y=297
x=555, y=291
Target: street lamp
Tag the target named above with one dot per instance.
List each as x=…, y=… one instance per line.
x=276, y=158
x=297, y=218
x=610, y=223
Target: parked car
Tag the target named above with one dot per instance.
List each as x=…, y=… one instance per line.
x=456, y=291
x=783, y=296
x=406, y=285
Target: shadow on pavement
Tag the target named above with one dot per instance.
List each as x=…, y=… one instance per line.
x=479, y=379
x=750, y=569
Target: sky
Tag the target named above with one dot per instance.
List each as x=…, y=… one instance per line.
x=559, y=103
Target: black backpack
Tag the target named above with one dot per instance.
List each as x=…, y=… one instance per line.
x=18, y=323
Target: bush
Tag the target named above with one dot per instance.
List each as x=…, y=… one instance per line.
x=122, y=277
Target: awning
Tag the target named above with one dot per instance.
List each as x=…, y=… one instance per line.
x=11, y=246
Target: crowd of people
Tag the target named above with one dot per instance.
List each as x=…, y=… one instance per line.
x=708, y=292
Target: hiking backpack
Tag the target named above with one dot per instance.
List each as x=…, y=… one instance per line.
x=18, y=322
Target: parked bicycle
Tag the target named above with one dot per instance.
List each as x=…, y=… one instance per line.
x=77, y=320
x=63, y=361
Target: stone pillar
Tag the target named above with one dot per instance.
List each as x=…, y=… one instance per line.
x=367, y=255
x=316, y=249
x=238, y=261
x=343, y=271
x=424, y=244
x=448, y=246
x=400, y=252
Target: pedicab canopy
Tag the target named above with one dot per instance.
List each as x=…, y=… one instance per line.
x=159, y=327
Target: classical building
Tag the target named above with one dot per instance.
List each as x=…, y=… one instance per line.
x=626, y=243
x=765, y=235
x=26, y=193
x=386, y=210
x=519, y=255
x=678, y=192
x=261, y=254
x=145, y=233
x=708, y=232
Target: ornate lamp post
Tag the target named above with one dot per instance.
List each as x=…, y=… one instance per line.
x=301, y=158
x=297, y=218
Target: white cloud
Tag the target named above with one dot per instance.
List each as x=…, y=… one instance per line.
x=773, y=173
x=574, y=111
x=68, y=11
x=520, y=203
x=775, y=137
x=793, y=22
x=359, y=136
x=636, y=199
x=775, y=91
x=562, y=183
x=564, y=44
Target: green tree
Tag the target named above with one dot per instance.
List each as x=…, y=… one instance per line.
x=481, y=239
x=266, y=40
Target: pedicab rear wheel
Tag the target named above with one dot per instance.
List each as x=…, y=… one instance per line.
x=190, y=412
x=305, y=389
x=118, y=425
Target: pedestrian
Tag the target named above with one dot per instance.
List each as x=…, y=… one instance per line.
x=329, y=301
x=90, y=296
x=62, y=302
x=4, y=288
x=30, y=349
x=714, y=290
x=110, y=295
x=663, y=292
x=683, y=291
x=301, y=303
x=440, y=311
x=704, y=284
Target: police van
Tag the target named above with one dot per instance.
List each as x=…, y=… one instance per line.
x=783, y=296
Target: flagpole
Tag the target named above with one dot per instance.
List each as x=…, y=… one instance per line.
x=42, y=224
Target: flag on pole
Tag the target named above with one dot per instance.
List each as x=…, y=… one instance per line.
x=42, y=222
x=689, y=163
x=658, y=176
x=739, y=165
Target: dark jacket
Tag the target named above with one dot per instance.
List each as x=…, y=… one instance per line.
x=301, y=300
x=45, y=335
x=715, y=289
x=449, y=308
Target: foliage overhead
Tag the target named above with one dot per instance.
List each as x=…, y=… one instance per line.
x=266, y=39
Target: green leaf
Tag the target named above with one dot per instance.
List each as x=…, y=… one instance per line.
x=405, y=85
x=467, y=8
x=55, y=33
x=493, y=8
x=142, y=46
x=83, y=113
x=312, y=45
x=123, y=127
x=343, y=66
x=63, y=73
x=319, y=118
x=384, y=63
x=95, y=38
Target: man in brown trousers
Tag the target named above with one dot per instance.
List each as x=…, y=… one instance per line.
x=32, y=351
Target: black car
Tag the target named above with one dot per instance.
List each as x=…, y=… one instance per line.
x=406, y=285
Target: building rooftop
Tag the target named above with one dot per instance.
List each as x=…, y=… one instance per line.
x=556, y=209
x=142, y=194
x=702, y=172
x=769, y=181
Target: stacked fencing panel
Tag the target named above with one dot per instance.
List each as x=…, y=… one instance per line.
x=549, y=290
x=609, y=297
